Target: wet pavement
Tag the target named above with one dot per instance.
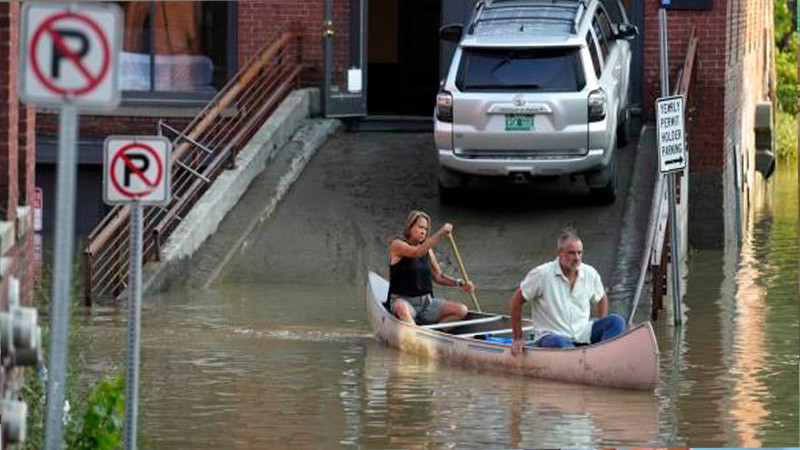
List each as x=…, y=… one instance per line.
x=336, y=222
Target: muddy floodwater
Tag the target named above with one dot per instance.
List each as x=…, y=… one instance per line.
x=252, y=363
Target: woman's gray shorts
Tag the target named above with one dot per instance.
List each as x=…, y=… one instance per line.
x=425, y=309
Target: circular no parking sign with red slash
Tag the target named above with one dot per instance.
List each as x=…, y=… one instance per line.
x=136, y=170
x=69, y=54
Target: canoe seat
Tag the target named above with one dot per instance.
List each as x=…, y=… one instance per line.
x=439, y=326
x=507, y=330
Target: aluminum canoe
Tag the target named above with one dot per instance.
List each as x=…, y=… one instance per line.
x=629, y=361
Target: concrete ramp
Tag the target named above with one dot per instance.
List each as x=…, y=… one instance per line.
x=335, y=223
x=257, y=204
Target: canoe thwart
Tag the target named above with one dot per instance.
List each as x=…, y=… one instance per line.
x=506, y=330
x=439, y=326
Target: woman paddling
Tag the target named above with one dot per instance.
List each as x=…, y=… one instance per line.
x=412, y=266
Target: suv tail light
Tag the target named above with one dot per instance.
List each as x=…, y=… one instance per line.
x=597, y=105
x=444, y=106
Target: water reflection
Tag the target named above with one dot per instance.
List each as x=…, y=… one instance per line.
x=747, y=409
x=735, y=358
x=449, y=407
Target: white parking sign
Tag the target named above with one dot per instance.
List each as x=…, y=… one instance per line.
x=136, y=170
x=670, y=132
x=69, y=53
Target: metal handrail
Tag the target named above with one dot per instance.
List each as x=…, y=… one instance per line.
x=656, y=241
x=203, y=150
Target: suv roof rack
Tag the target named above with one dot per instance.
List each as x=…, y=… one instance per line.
x=481, y=7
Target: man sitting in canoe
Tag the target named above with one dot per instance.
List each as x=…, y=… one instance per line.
x=412, y=265
x=561, y=292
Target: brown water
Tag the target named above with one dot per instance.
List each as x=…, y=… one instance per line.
x=294, y=366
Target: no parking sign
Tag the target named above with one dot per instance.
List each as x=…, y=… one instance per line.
x=69, y=53
x=136, y=170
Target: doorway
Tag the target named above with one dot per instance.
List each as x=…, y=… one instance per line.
x=403, y=57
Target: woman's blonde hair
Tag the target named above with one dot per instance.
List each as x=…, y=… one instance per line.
x=412, y=218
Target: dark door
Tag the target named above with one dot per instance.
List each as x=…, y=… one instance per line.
x=345, y=87
x=403, y=56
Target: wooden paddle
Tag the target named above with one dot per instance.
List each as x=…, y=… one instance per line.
x=463, y=270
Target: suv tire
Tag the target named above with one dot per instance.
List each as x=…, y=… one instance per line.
x=607, y=194
x=451, y=185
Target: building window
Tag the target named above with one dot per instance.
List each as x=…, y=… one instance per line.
x=177, y=47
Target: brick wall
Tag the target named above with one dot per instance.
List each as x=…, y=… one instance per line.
x=17, y=155
x=259, y=21
x=17, y=159
x=9, y=111
x=730, y=76
x=731, y=49
x=751, y=31
x=27, y=153
x=706, y=130
x=98, y=127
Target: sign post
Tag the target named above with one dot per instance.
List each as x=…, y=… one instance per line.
x=68, y=60
x=135, y=172
x=672, y=154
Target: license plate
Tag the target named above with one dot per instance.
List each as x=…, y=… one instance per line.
x=519, y=122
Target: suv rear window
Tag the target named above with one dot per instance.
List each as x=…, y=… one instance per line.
x=552, y=69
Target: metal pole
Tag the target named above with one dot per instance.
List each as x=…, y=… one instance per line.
x=134, y=320
x=62, y=277
x=673, y=222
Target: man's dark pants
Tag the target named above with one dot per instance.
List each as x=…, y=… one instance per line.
x=602, y=329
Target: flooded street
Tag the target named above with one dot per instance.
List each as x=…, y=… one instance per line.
x=278, y=353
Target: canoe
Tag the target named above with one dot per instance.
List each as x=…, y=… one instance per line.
x=629, y=361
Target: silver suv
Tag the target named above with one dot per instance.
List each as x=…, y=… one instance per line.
x=535, y=88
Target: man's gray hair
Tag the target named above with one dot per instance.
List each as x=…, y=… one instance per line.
x=568, y=234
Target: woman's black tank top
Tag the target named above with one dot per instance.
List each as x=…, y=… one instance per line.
x=411, y=277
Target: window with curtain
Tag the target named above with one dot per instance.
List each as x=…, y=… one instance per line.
x=179, y=47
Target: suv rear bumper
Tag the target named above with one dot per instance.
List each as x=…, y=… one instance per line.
x=593, y=160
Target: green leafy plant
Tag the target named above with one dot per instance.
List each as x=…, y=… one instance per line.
x=95, y=416
x=786, y=125
x=786, y=70
x=103, y=422
x=786, y=57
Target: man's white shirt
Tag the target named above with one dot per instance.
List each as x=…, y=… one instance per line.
x=558, y=309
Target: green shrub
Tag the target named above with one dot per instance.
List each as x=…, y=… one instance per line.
x=786, y=140
x=786, y=71
x=104, y=420
x=785, y=57
x=95, y=418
